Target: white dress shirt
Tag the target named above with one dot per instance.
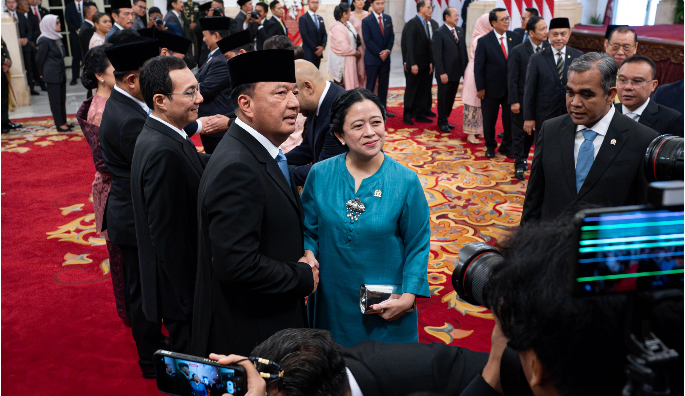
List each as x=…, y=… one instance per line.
x=313, y=15
x=181, y=132
x=535, y=47
x=323, y=95
x=556, y=55
x=635, y=115
x=506, y=46
x=133, y=98
x=355, y=390
x=601, y=127
x=90, y=22
x=180, y=20
x=118, y=26
x=273, y=150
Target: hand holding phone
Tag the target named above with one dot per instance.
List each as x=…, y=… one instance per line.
x=255, y=383
x=180, y=375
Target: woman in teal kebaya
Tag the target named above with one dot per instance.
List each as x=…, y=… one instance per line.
x=387, y=242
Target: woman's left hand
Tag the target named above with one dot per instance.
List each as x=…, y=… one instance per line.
x=394, y=308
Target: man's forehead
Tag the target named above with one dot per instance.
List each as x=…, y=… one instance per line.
x=622, y=37
x=588, y=79
x=635, y=68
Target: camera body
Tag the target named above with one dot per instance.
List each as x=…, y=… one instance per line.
x=159, y=22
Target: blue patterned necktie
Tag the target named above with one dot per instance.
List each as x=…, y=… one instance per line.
x=316, y=22
x=586, y=156
x=283, y=164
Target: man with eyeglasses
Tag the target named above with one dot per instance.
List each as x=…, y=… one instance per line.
x=139, y=11
x=165, y=176
x=525, y=17
x=636, y=82
x=621, y=43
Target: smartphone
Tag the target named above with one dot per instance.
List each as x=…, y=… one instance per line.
x=179, y=375
x=630, y=248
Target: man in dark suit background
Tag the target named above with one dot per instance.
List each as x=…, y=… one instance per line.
x=173, y=16
x=379, y=37
x=86, y=31
x=490, y=71
x=251, y=267
x=182, y=380
x=636, y=82
x=670, y=95
x=214, y=78
x=165, y=175
x=25, y=34
x=417, y=55
x=517, y=67
x=525, y=17
x=592, y=155
x=316, y=98
x=32, y=74
x=450, y=60
x=74, y=14
x=243, y=20
x=275, y=26
x=122, y=14
x=313, y=32
x=122, y=121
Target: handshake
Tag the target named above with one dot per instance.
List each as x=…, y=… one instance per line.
x=214, y=124
x=309, y=258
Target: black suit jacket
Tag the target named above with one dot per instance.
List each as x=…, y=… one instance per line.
x=660, y=118
x=416, y=45
x=261, y=38
x=449, y=56
x=312, y=38
x=122, y=121
x=165, y=176
x=24, y=30
x=72, y=17
x=318, y=143
x=517, y=64
x=85, y=33
x=375, y=41
x=273, y=28
x=490, y=65
x=182, y=385
x=520, y=31
x=401, y=369
x=249, y=283
x=237, y=25
x=215, y=84
x=35, y=27
x=544, y=96
x=616, y=177
x=50, y=61
x=670, y=95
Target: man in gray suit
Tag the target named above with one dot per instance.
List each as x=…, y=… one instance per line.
x=173, y=16
x=139, y=12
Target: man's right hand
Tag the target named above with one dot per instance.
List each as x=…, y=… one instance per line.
x=309, y=259
x=480, y=94
x=415, y=69
x=23, y=41
x=516, y=108
x=492, y=368
x=529, y=126
x=384, y=55
x=256, y=385
x=444, y=79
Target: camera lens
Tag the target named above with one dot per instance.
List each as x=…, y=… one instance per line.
x=664, y=159
x=476, y=261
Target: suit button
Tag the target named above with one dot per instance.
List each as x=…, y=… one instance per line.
x=349, y=238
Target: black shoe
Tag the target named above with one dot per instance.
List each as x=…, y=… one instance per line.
x=407, y=120
x=43, y=87
x=67, y=129
x=489, y=153
x=430, y=114
x=423, y=119
x=14, y=126
x=445, y=128
x=5, y=130
x=389, y=114
x=520, y=174
x=506, y=152
x=71, y=125
x=73, y=82
x=500, y=135
x=450, y=126
x=34, y=93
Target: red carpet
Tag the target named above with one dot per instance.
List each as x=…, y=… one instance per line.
x=61, y=333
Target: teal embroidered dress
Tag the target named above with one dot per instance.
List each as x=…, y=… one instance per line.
x=388, y=244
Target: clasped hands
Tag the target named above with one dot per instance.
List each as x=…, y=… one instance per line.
x=310, y=258
x=384, y=54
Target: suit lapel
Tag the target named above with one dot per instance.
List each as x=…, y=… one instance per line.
x=650, y=114
x=549, y=57
x=614, y=140
x=185, y=144
x=567, y=137
x=529, y=48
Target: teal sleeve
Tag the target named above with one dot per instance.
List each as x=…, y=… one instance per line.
x=415, y=231
x=311, y=213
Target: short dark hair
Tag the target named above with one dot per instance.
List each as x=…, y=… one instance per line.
x=154, y=10
x=343, y=103
x=183, y=365
x=533, y=11
x=277, y=42
x=95, y=61
x=263, y=5
x=99, y=15
x=641, y=58
x=244, y=89
x=311, y=361
x=169, y=3
x=219, y=1
x=532, y=21
x=446, y=13
x=623, y=29
x=341, y=9
x=155, y=78
x=272, y=5
x=530, y=292
x=492, y=17
x=299, y=52
x=420, y=4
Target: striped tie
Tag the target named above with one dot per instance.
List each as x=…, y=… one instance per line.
x=560, y=65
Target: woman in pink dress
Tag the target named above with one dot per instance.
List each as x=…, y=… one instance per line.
x=473, y=118
x=356, y=17
x=343, y=50
x=98, y=74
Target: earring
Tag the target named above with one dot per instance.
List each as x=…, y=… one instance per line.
x=343, y=143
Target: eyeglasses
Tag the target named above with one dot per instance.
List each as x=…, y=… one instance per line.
x=505, y=19
x=635, y=83
x=626, y=47
x=192, y=93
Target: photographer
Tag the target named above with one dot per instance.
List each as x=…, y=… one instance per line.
x=156, y=20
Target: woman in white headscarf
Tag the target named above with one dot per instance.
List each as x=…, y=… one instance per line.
x=50, y=62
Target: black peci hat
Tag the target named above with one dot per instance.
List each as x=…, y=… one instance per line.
x=117, y=4
x=234, y=41
x=559, y=23
x=131, y=53
x=205, y=7
x=146, y=32
x=215, y=23
x=610, y=29
x=262, y=66
x=242, y=2
x=172, y=42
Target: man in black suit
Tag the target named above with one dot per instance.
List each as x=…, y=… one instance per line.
x=39, y=12
x=450, y=60
x=213, y=77
x=670, y=95
x=122, y=121
x=490, y=71
x=517, y=66
x=417, y=55
x=74, y=15
x=262, y=9
x=275, y=26
x=173, y=15
x=525, y=17
x=182, y=380
x=243, y=20
x=86, y=31
x=544, y=96
x=165, y=175
x=636, y=82
x=316, y=98
x=25, y=33
x=252, y=273
x=33, y=30
x=313, y=32
x=593, y=155
x=379, y=37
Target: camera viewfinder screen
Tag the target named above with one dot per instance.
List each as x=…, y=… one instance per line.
x=187, y=377
x=630, y=251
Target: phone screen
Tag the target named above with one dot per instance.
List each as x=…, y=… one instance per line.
x=182, y=377
x=630, y=250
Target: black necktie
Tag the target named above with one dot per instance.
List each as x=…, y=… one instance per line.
x=427, y=32
x=537, y=49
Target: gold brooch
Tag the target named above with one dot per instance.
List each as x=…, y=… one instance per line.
x=613, y=141
x=377, y=193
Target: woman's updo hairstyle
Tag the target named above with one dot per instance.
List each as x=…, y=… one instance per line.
x=98, y=16
x=342, y=104
x=95, y=61
x=339, y=10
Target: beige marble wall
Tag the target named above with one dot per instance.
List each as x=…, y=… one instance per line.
x=10, y=35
